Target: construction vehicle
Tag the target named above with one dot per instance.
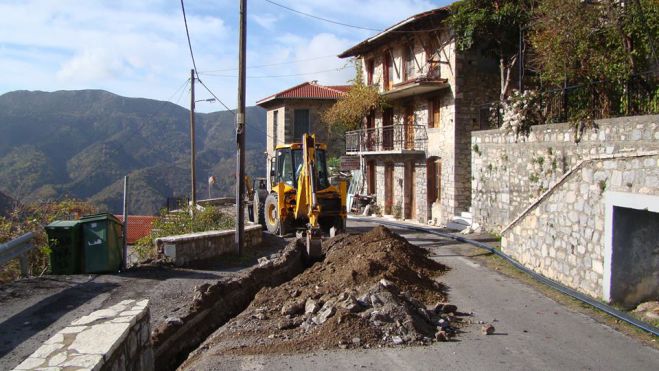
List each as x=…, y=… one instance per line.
x=301, y=198
x=256, y=190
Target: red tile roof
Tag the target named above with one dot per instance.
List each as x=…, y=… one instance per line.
x=138, y=226
x=308, y=90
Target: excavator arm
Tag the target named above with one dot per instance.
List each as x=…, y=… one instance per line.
x=307, y=203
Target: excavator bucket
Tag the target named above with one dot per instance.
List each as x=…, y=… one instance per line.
x=314, y=250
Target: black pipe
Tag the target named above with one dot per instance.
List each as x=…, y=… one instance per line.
x=538, y=277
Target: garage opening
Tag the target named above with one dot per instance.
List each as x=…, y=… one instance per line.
x=634, y=256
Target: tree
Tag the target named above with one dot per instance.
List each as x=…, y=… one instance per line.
x=349, y=110
x=581, y=42
x=493, y=27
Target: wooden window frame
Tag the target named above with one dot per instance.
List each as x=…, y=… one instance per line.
x=434, y=112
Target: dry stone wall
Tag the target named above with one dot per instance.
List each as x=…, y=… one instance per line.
x=509, y=172
x=115, y=338
x=563, y=236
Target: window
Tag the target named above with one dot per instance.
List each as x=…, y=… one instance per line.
x=300, y=124
x=369, y=72
x=275, y=128
x=388, y=66
x=434, y=112
x=371, y=177
x=408, y=60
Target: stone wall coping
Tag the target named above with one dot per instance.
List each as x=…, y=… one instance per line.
x=561, y=127
x=88, y=342
x=569, y=173
x=202, y=235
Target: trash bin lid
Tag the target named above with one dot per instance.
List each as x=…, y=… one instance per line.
x=63, y=224
x=99, y=218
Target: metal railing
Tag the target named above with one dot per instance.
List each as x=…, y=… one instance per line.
x=387, y=138
x=599, y=100
x=17, y=248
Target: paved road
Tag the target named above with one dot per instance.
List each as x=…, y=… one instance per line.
x=532, y=331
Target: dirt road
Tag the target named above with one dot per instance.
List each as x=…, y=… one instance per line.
x=532, y=331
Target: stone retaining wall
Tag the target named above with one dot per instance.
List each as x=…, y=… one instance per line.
x=116, y=338
x=509, y=172
x=562, y=236
x=189, y=248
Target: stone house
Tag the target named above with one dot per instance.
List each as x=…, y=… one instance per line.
x=416, y=155
x=297, y=110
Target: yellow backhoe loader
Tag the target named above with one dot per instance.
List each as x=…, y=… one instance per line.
x=301, y=198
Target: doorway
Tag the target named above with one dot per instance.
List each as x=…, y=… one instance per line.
x=370, y=165
x=388, y=188
x=410, y=191
x=409, y=126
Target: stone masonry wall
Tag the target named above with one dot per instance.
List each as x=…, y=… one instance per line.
x=189, y=248
x=508, y=172
x=563, y=236
x=116, y=338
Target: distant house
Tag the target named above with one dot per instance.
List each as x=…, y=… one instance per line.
x=416, y=152
x=297, y=110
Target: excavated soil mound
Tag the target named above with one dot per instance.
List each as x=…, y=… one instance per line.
x=372, y=289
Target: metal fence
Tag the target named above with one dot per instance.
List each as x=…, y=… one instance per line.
x=598, y=100
x=387, y=138
x=17, y=248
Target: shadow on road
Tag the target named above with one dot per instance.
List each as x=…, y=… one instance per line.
x=23, y=325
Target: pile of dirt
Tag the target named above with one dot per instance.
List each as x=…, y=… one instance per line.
x=373, y=289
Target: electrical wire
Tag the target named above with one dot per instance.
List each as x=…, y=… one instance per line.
x=271, y=64
x=341, y=23
x=187, y=33
x=279, y=76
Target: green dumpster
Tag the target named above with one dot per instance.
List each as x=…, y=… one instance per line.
x=64, y=242
x=101, y=243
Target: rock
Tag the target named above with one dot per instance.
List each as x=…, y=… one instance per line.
x=174, y=321
x=295, y=293
x=444, y=308
x=311, y=306
x=264, y=262
x=442, y=324
x=260, y=316
x=357, y=341
x=323, y=315
x=293, y=308
x=386, y=283
x=487, y=330
x=441, y=336
x=397, y=340
x=288, y=324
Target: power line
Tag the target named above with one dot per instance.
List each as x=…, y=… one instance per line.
x=215, y=96
x=187, y=32
x=272, y=64
x=341, y=23
x=279, y=76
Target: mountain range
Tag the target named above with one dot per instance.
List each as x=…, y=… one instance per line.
x=82, y=143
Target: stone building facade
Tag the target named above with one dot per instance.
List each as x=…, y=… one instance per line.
x=416, y=155
x=298, y=110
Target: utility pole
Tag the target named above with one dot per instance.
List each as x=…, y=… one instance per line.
x=192, y=146
x=124, y=250
x=240, y=132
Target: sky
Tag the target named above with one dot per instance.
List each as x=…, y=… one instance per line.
x=138, y=48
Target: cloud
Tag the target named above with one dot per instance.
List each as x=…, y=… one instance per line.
x=266, y=21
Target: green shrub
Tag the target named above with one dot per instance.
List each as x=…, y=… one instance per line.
x=182, y=222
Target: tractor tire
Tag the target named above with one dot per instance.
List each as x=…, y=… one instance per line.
x=271, y=215
x=258, y=206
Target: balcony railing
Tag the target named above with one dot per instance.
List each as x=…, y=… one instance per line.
x=393, y=138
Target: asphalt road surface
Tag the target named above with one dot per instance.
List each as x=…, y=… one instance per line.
x=532, y=331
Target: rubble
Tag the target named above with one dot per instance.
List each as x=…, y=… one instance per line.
x=487, y=329
x=374, y=289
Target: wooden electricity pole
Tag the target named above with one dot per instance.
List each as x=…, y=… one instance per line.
x=240, y=133
x=193, y=198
